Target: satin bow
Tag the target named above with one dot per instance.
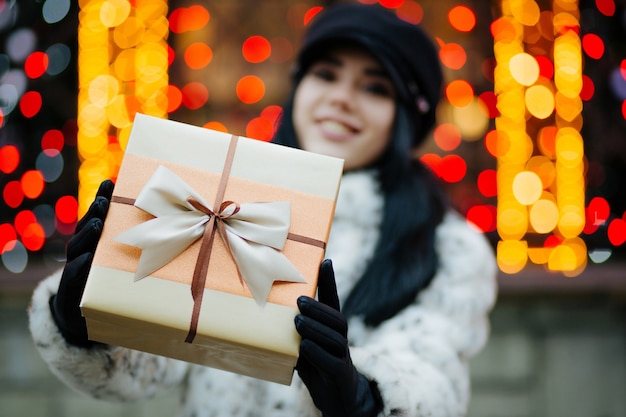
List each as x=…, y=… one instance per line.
x=255, y=233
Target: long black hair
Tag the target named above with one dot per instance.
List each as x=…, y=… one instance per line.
x=405, y=259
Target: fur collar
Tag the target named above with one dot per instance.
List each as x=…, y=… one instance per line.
x=355, y=229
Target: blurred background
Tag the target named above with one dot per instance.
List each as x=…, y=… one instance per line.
x=530, y=144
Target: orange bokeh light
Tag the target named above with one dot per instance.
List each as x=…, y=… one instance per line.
x=250, y=89
x=452, y=55
x=198, y=55
x=459, y=93
x=185, y=19
x=462, y=18
x=411, y=11
x=174, y=98
x=32, y=183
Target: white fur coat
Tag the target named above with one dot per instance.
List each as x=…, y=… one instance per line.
x=419, y=357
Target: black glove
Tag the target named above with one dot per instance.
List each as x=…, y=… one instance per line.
x=324, y=365
x=65, y=304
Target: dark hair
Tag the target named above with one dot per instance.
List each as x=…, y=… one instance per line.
x=405, y=259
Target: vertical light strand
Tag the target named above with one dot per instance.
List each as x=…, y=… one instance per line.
x=538, y=80
x=122, y=70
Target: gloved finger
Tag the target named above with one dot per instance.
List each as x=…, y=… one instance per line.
x=99, y=206
x=73, y=282
x=85, y=240
x=323, y=314
x=321, y=359
x=326, y=285
x=328, y=339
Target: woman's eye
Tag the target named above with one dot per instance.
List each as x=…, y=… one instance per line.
x=379, y=89
x=323, y=74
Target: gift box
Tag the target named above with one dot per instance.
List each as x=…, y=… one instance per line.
x=209, y=240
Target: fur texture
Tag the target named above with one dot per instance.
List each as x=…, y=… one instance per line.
x=419, y=358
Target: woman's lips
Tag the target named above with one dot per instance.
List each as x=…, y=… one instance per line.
x=336, y=130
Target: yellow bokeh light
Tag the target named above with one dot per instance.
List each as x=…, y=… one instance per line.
x=117, y=112
x=544, y=216
x=527, y=187
x=129, y=33
x=103, y=89
x=524, y=68
x=544, y=168
x=114, y=12
x=512, y=221
x=525, y=11
x=569, y=147
x=512, y=256
x=539, y=101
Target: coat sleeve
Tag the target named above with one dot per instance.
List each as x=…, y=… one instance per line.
x=104, y=372
x=419, y=358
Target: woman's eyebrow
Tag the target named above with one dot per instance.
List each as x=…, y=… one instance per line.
x=377, y=72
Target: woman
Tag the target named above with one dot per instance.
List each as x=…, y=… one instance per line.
x=416, y=282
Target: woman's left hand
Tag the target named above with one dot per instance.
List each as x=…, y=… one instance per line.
x=324, y=365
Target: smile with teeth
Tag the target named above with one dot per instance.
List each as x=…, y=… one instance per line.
x=336, y=128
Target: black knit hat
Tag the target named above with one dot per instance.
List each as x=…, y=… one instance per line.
x=404, y=49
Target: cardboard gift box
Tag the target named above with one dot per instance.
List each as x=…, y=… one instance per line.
x=209, y=240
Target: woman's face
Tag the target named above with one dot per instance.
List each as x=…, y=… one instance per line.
x=344, y=107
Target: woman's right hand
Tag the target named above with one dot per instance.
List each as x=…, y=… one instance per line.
x=79, y=256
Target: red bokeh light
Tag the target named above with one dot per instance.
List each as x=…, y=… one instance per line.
x=490, y=100
x=546, y=67
x=624, y=109
x=617, y=232
x=52, y=142
x=596, y=214
x=9, y=158
x=593, y=45
x=453, y=168
x=8, y=236
x=310, y=14
x=606, y=7
x=483, y=216
x=256, y=49
x=66, y=209
x=391, y=4
x=195, y=95
x=588, y=90
x=487, y=183
x=36, y=64
x=33, y=237
x=30, y=104
x=12, y=194
x=22, y=220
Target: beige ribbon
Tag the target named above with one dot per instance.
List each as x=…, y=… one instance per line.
x=255, y=233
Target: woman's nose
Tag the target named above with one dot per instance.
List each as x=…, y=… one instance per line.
x=342, y=93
